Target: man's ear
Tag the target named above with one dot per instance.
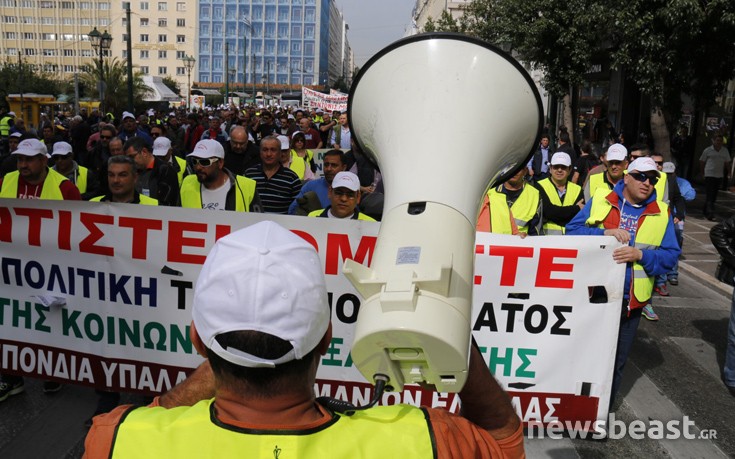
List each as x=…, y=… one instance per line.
x=357, y=199
x=323, y=345
x=197, y=341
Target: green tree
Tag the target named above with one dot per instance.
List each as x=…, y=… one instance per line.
x=115, y=76
x=23, y=77
x=172, y=84
x=445, y=23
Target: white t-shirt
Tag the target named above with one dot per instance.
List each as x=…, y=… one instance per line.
x=215, y=199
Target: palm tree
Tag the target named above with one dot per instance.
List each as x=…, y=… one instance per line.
x=115, y=76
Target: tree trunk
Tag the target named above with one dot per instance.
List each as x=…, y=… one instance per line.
x=568, y=116
x=660, y=134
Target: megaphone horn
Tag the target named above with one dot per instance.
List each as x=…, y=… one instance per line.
x=444, y=116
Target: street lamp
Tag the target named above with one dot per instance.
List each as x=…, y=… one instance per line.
x=232, y=71
x=189, y=63
x=100, y=42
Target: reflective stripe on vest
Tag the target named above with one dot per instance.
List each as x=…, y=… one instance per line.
x=182, y=168
x=50, y=188
x=523, y=209
x=5, y=126
x=144, y=200
x=82, y=179
x=605, y=213
x=322, y=213
x=191, y=193
x=662, y=188
x=571, y=197
x=194, y=432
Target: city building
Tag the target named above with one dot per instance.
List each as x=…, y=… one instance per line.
x=267, y=42
x=425, y=9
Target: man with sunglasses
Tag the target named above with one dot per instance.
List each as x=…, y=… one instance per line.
x=562, y=199
x=212, y=186
x=344, y=196
x=643, y=225
x=156, y=179
x=79, y=175
x=615, y=161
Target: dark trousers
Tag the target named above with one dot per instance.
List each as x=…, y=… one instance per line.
x=626, y=336
x=711, y=186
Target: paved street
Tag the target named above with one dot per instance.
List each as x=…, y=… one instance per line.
x=674, y=371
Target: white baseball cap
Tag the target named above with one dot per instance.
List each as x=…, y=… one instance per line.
x=11, y=113
x=61, y=148
x=31, y=147
x=617, y=152
x=644, y=164
x=561, y=158
x=669, y=167
x=262, y=278
x=285, y=145
x=16, y=134
x=208, y=148
x=128, y=115
x=161, y=146
x=346, y=179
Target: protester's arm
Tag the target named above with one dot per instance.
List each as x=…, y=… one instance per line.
x=722, y=235
x=578, y=225
x=561, y=215
x=484, y=402
x=69, y=191
x=256, y=205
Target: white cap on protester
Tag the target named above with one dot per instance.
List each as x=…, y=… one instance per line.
x=31, y=147
x=644, y=164
x=669, y=167
x=561, y=158
x=346, y=179
x=266, y=279
x=16, y=134
x=208, y=148
x=11, y=113
x=161, y=146
x=617, y=152
x=285, y=145
x=61, y=148
x=128, y=115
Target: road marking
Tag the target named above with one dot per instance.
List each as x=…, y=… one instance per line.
x=701, y=353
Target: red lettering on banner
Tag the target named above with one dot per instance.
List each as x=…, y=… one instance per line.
x=547, y=266
x=548, y=407
x=307, y=237
x=64, y=230
x=6, y=225
x=177, y=242
x=510, y=256
x=90, y=221
x=140, y=227
x=221, y=231
x=340, y=244
x=34, y=223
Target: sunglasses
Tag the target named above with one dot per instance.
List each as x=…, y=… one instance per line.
x=204, y=162
x=641, y=177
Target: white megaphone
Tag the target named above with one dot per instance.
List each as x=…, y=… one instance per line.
x=445, y=116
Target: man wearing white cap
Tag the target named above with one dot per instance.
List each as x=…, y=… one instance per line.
x=344, y=195
x=162, y=149
x=616, y=161
x=130, y=129
x=632, y=214
x=562, y=199
x=264, y=338
x=80, y=176
x=213, y=186
x=34, y=179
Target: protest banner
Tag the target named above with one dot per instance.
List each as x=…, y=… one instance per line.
x=100, y=294
x=330, y=102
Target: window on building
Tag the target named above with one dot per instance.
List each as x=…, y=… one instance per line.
x=29, y=36
x=49, y=52
x=69, y=53
x=204, y=12
x=29, y=51
x=10, y=35
x=144, y=54
x=68, y=37
x=144, y=22
x=47, y=20
x=181, y=22
x=67, y=5
x=11, y=51
x=9, y=19
x=162, y=6
x=29, y=20
x=161, y=70
x=180, y=6
x=144, y=69
x=27, y=3
x=45, y=4
x=162, y=38
x=162, y=54
x=163, y=22
x=125, y=38
x=180, y=38
x=180, y=71
x=105, y=6
x=104, y=21
x=48, y=36
x=85, y=21
x=125, y=54
x=180, y=54
x=144, y=6
x=68, y=69
x=86, y=53
x=144, y=38
x=85, y=5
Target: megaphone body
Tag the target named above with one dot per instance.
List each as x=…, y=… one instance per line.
x=444, y=116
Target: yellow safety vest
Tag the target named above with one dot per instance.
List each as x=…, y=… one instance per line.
x=595, y=182
x=191, y=193
x=662, y=188
x=524, y=209
x=605, y=213
x=81, y=182
x=144, y=200
x=360, y=215
x=182, y=168
x=571, y=197
x=50, y=188
x=298, y=165
x=400, y=431
x=5, y=126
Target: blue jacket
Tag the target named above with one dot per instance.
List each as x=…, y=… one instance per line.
x=320, y=187
x=654, y=262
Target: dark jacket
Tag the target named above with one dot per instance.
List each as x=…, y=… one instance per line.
x=163, y=183
x=722, y=236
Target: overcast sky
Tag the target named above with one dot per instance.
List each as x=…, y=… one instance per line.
x=375, y=24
